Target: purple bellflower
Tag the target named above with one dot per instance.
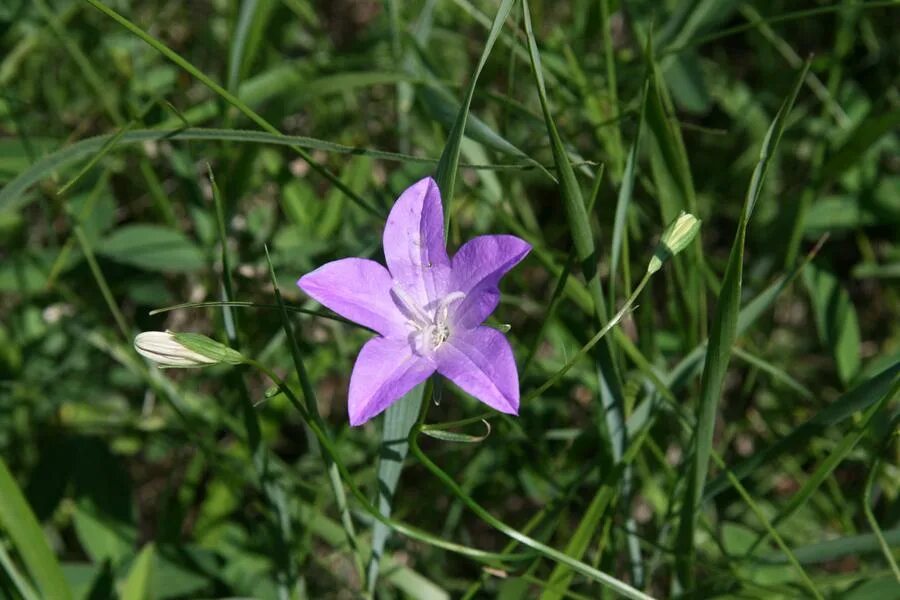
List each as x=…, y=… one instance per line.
x=426, y=307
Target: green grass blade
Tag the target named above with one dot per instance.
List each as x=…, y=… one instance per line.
x=721, y=338
x=231, y=99
x=448, y=164
x=830, y=550
x=22, y=527
x=13, y=195
x=624, y=200
x=311, y=409
x=834, y=458
x=248, y=30
x=399, y=419
x=858, y=399
x=867, y=507
x=18, y=580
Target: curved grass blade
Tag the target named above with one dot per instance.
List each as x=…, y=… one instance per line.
x=20, y=524
x=610, y=383
x=721, y=338
x=12, y=196
x=448, y=164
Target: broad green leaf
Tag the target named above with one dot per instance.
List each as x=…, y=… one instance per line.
x=152, y=247
x=19, y=523
x=137, y=583
x=836, y=319
x=101, y=536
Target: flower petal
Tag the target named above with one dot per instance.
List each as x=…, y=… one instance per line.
x=359, y=290
x=414, y=245
x=385, y=370
x=481, y=362
x=477, y=269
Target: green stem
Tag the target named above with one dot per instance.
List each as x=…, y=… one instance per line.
x=592, y=342
x=101, y=283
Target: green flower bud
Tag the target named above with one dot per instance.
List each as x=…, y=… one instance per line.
x=184, y=350
x=675, y=238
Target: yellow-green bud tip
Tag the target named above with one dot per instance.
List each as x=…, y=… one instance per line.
x=675, y=238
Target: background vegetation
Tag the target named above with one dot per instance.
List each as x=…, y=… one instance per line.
x=118, y=479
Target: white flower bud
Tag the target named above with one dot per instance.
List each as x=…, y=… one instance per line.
x=183, y=350
x=675, y=238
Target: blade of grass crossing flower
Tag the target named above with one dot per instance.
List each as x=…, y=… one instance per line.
x=721, y=338
x=311, y=410
x=399, y=419
x=19, y=523
x=448, y=164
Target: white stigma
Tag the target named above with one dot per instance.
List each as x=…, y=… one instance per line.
x=430, y=330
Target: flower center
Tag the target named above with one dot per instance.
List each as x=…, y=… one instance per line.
x=430, y=326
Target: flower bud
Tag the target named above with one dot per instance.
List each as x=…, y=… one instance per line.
x=184, y=350
x=675, y=238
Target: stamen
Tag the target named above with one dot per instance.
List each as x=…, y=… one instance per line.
x=443, y=309
x=419, y=316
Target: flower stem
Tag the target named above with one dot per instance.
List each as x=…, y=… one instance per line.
x=592, y=342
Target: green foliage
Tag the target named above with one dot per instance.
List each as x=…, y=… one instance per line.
x=726, y=428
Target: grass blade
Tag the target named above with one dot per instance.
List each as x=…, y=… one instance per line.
x=448, y=164
x=13, y=197
x=721, y=338
x=859, y=398
x=20, y=524
x=399, y=419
